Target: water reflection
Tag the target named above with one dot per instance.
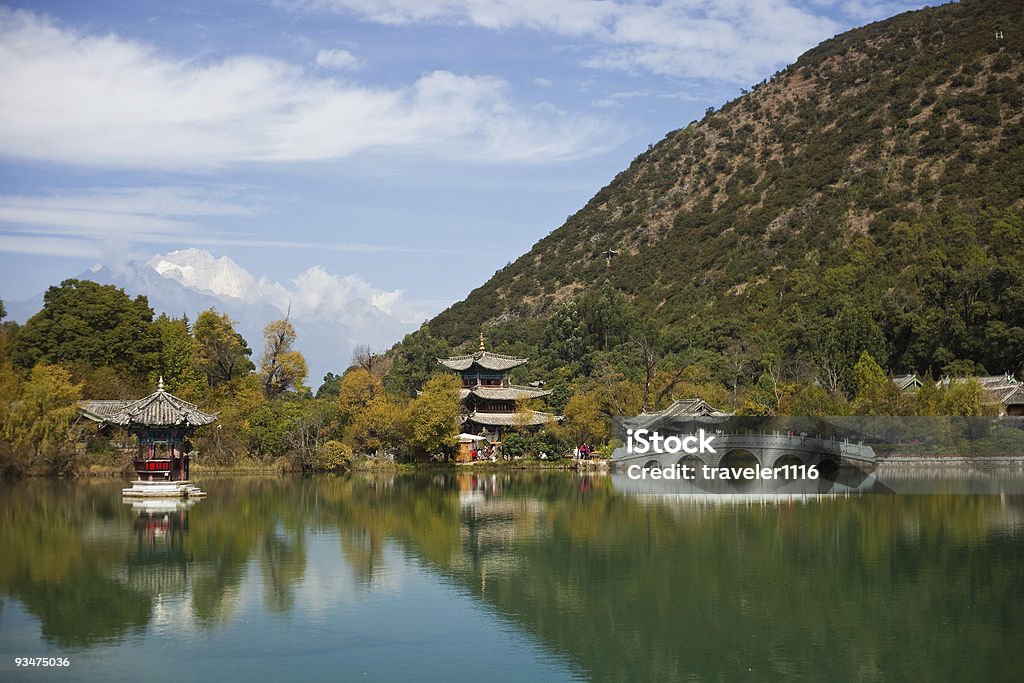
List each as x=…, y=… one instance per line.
x=598, y=582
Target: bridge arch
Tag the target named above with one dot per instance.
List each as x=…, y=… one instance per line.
x=739, y=457
x=788, y=459
x=694, y=462
x=652, y=465
x=828, y=468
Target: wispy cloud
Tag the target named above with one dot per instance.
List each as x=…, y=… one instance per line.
x=731, y=40
x=82, y=99
x=736, y=41
x=80, y=223
x=50, y=246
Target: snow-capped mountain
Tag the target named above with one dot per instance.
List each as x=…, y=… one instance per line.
x=200, y=270
x=331, y=314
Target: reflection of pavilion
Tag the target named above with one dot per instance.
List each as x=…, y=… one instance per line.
x=159, y=565
x=161, y=423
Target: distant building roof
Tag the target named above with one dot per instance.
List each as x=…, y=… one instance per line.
x=1012, y=395
x=691, y=407
x=159, y=409
x=1004, y=390
x=485, y=359
x=686, y=410
x=907, y=382
x=989, y=382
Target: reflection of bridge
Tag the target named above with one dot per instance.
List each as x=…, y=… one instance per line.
x=770, y=450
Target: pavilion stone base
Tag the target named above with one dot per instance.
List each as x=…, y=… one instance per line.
x=163, y=489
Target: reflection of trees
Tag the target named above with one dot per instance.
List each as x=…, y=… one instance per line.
x=64, y=580
x=283, y=561
x=89, y=568
x=641, y=591
x=629, y=589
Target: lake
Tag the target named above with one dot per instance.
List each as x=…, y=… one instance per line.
x=511, y=577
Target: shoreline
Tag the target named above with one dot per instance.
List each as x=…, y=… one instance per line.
x=888, y=461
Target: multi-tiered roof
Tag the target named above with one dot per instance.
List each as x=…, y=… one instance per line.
x=488, y=397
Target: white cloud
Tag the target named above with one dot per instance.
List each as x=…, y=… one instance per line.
x=732, y=40
x=318, y=295
x=543, y=82
x=107, y=101
x=337, y=59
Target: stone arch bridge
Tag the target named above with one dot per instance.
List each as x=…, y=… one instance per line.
x=770, y=450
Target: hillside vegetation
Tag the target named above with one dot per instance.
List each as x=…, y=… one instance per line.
x=866, y=198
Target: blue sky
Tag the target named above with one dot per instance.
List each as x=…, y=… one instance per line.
x=417, y=145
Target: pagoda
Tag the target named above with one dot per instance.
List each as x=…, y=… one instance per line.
x=489, y=398
x=161, y=423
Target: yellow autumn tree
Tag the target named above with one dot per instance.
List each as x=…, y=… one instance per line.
x=282, y=367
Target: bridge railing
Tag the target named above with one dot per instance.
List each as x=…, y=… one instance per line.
x=727, y=441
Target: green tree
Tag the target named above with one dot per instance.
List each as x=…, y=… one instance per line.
x=38, y=422
x=814, y=400
x=379, y=428
x=282, y=367
x=85, y=323
x=565, y=335
x=315, y=422
x=415, y=360
x=221, y=353
x=177, y=357
x=333, y=455
x=434, y=415
x=849, y=334
x=928, y=399
x=964, y=398
x=876, y=393
x=585, y=419
x=608, y=315
x=330, y=387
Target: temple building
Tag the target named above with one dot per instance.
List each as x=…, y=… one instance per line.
x=489, y=398
x=162, y=424
x=1004, y=394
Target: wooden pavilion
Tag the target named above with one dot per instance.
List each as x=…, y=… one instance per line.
x=162, y=424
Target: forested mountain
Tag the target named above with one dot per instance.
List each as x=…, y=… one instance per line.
x=869, y=197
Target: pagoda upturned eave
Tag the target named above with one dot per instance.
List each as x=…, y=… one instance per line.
x=503, y=393
x=486, y=360
x=532, y=418
x=159, y=409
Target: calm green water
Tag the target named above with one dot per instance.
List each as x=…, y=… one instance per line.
x=507, y=578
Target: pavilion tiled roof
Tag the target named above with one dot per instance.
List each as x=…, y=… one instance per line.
x=532, y=419
x=509, y=393
x=485, y=359
x=159, y=409
x=99, y=411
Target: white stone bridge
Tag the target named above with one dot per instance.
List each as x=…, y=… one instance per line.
x=770, y=450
